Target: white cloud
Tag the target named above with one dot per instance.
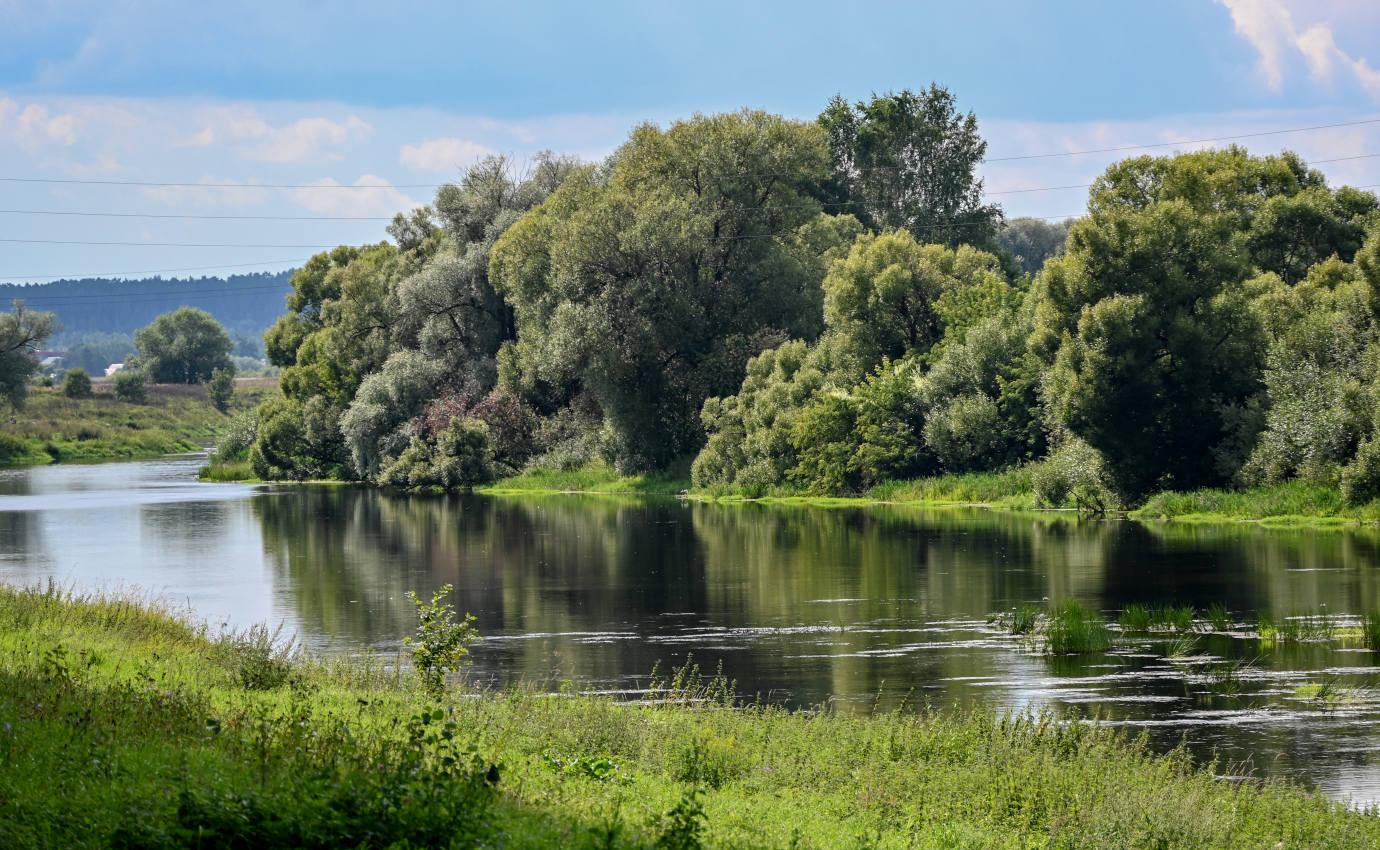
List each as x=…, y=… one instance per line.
x=35, y=125
x=1272, y=29
x=304, y=140
x=447, y=155
x=330, y=197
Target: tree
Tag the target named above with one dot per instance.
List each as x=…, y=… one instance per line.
x=909, y=161
x=221, y=388
x=131, y=385
x=183, y=347
x=650, y=285
x=21, y=333
x=76, y=384
x=1151, y=340
x=1031, y=241
x=893, y=296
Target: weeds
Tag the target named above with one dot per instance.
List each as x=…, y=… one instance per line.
x=1300, y=628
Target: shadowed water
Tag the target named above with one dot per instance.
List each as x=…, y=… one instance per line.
x=867, y=609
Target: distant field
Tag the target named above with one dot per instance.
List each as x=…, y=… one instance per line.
x=176, y=417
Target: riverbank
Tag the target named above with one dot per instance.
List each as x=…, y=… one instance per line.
x=124, y=725
x=1293, y=503
x=174, y=418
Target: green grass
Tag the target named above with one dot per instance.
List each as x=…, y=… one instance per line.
x=121, y=725
x=235, y=470
x=52, y=427
x=1074, y=629
x=1293, y=503
x=596, y=478
x=1007, y=489
x=1299, y=628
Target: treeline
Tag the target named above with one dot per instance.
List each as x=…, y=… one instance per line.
x=827, y=305
x=104, y=311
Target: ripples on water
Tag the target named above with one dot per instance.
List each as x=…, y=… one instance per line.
x=862, y=609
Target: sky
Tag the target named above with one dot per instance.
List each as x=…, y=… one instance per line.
x=281, y=129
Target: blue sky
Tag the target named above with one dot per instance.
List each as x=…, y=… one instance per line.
x=400, y=97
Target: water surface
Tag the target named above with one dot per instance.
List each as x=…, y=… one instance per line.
x=862, y=608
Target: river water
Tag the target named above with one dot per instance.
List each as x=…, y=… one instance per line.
x=864, y=609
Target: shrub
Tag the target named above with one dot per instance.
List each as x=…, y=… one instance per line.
x=77, y=384
x=221, y=388
x=441, y=642
x=131, y=385
x=239, y=436
x=1361, y=477
x=460, y=458
x=1073, y=473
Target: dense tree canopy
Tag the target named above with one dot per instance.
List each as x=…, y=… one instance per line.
x=827, y=306
x=649, y=283
x=909, y=161
x=183, y=347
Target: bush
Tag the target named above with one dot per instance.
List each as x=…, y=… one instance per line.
x=131, y=386
x=221, y=388
x=1073, y=473
x=442, y=642
x=77, y=384
x=461, y=457
x=239, y=436
x=1361, y=477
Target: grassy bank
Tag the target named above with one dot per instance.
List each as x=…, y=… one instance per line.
x=174, y=418
x=596, y=478
x=121, y=725
x=1290, y=503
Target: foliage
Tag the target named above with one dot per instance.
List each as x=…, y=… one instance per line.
x=456, y=458
x=240, y=434
x=909, y=161
x=1073, y=474
x=893, y=296
x=651, y=283
x=442, y=642
x=76, y=384
x=131, y=385
x=221, y=388
x=183, y=347
x=1032, y=241
x=21, y=333
x=297, y=441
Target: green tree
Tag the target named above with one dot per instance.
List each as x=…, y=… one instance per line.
x=221, y=388
x=131, y=385
x=652, y=283
x=21, y=333
x=893, y=296
x=909, y=161
x=76, y=384
x=1031, y=241
x=183, y=347
x=1150, y=336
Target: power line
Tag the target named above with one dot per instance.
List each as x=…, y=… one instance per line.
x=1117, y=149
x=1185, y=141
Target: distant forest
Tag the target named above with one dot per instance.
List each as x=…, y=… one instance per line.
x=100, y=308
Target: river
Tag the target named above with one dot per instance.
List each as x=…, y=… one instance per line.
x=863, y=609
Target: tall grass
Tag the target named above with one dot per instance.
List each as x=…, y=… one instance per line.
x=129, y=727
x=1289, y=502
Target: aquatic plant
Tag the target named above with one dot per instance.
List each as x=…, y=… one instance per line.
x=1134, y=618
x=1218, y=617
x=1299, y=628
x=1370, y=629
x=1071, y=628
